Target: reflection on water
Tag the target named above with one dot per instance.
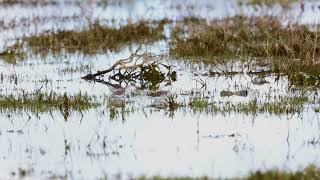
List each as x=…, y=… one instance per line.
x=141, y=71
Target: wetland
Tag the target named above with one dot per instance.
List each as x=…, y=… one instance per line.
x=141, y=89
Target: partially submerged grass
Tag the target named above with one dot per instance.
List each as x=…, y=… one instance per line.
x=44, y=102
x=198, y=104
x=248, y=36
x=118, y=108
x=53, y=2
x=36, y=2
x=279, y=105
x=310, y=172
x=96, y=38
x=37, y=20
x=82, y=68
x=290, y=49
x=283, y=3
x=12, y=55
x=172, y=178
x=282, y=105
x=33, y=2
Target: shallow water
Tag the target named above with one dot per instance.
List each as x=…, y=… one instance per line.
x=18, y=20
x=142, y=137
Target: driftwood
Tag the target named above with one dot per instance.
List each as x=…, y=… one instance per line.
x=146, y=69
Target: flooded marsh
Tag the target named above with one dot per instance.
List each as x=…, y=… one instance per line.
x=138, y=89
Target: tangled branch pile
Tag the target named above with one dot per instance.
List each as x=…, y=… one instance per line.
x=145, y=69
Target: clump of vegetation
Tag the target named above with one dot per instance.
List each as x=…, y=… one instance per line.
x=172, y=178
x=171, y=102
x=283, y=3
x=118, y=108
x=280, y=105
x=26, y=2
x=96, y=38
x=44, y=102
x=198, y=103
x=42, y=2
x=248, y=36
x=53, y=2
x=12, y=55
x=77, y=69
x=310, y=172
x=290, y=49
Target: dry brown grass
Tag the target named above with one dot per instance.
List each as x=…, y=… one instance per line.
x=292, y=49
x=283, y=3
x=96, y=38
x=242, y=36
